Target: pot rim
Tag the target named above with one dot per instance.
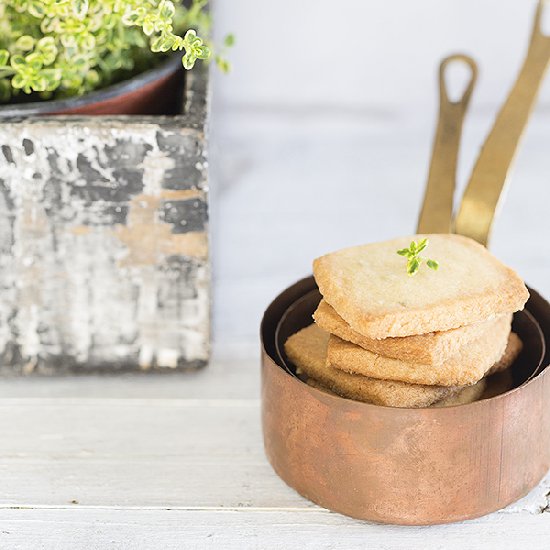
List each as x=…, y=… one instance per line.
x=167, y=67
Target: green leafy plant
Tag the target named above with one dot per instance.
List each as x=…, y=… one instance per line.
x=414, y=260
x=70, y=47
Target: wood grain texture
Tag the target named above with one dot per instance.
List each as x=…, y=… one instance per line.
x=104, y=232
x=93, y=529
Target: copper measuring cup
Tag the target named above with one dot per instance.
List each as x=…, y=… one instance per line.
x=372, y=462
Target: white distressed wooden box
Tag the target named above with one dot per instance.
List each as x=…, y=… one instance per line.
x=104, y=241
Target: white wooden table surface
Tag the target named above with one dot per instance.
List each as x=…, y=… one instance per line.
x=176, y=461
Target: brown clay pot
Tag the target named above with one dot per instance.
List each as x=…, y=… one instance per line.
x=154, y=92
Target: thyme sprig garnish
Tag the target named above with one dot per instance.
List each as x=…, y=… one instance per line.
x=414, y=260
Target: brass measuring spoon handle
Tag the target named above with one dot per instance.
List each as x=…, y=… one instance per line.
x=437, y=208
x=480, y=202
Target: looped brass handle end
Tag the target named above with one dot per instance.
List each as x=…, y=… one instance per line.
x=437, y=208
x=466, y=95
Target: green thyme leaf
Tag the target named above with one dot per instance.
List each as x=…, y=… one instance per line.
x=412, y=265
x=229, y=41
x=4, y=56
x=80, y=8
x=422, y=245
x=414, y=260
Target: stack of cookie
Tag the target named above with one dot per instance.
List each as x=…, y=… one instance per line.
x=390, y=338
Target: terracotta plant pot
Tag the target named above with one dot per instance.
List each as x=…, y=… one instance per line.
x=154, y=92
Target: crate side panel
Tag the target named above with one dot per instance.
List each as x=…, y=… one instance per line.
x=104, y=255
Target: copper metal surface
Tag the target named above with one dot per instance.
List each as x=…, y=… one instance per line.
x=406, y=466
x=484, y=190
x=437, y=209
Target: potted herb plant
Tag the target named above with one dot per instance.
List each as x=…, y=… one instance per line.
x=100, y=56
x=104, y=256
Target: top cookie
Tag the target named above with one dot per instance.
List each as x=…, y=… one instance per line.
x=369, y=288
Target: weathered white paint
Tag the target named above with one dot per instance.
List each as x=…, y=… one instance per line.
x=154, y=166
x=106, y=254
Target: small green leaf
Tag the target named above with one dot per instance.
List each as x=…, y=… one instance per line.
x=49, y=57
x=190, y=37
x=52, y=76
x=4, y=56
x=36, y=8
x=34, y=63
x=18, y=81
x=93, y=78
x=88, y=42
x=24, y=43
x=80, y=8
x=412, y=266
x=414, y=260
x=40, y=84
x=148, y=27
x=188, y=60
x=18, y=62
x=130, y=18
x=68, y=40
x=162, y=43
x=46, y=43
x=223, y=64
x=229, y=40
x=421, y=245
x=79, y=62
x=166, y=9
x=202, y=52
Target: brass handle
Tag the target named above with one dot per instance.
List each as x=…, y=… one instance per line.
x=481, y=198
x=437, y=208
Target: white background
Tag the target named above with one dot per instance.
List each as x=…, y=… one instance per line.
x=322, y=136
x=365, y=54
